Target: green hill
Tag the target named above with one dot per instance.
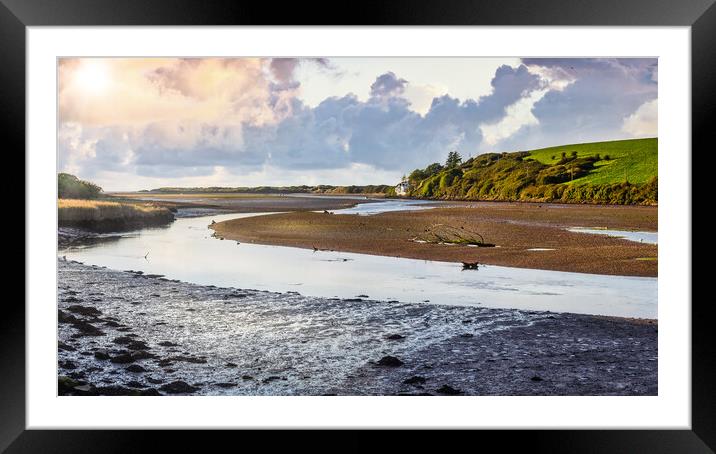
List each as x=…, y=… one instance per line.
x=618, y=172
x=634, y=160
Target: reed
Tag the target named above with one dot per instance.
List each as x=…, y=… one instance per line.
x=106, y=214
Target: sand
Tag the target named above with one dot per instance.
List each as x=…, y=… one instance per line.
x=513, y=227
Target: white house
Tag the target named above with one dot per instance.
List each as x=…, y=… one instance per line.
x=402, y=188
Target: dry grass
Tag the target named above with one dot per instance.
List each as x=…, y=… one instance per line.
x=78, y=210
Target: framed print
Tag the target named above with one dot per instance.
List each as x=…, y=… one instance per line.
x=434, y=217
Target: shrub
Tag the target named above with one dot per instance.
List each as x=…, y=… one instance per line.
x=71, y=187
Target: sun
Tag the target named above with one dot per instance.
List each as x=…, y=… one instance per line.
x=93, y=77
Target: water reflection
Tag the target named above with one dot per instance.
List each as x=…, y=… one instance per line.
x=639, y=237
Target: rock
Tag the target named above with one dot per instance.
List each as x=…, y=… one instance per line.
x=271, y=378
x=141, y=354
x=226, y=385
x=68, y=365
x=467, y=335
x=122, y=340
x=84, y=310
x=124, y=358
x=64, y=317
x=135, y=368
x=390, y=361
x=101, y=354
x=87, y=329
x=247, y=377
x=536, y=378
x=395, y=337
x=150, y=392
x=136, y=384
x=414, y=380
x=448, y=390
x=65, y=384
x=154, y=381
x=112, y=324
x=137, y=345
x=178, y=387
x=168, y=344
x=62, y=346
x=230, y=365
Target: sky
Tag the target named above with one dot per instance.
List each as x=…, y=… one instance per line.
x=142, y=123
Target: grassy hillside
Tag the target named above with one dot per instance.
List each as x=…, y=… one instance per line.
x=631, y=160
x=620, y=172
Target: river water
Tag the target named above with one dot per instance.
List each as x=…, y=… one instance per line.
x=187, y=251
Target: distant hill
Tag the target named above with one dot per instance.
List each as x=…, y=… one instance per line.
x=616, y=172
x=320, y=189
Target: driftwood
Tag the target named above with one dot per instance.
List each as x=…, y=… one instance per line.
x=446, y=234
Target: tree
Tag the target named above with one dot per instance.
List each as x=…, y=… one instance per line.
x=453, y=160
x=432, y=169
x=71, y=187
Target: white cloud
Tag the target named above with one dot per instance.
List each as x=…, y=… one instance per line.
x=644, y=122
x=517, y=116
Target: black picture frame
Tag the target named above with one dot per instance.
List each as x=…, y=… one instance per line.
x=700, y=15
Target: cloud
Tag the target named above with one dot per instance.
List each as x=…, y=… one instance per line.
x=587, y=101
x=517, y=116
x=643, y=122
x=283, y=69
x=186, y=119
x=387, y=85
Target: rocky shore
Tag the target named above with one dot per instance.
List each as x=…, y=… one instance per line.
x=127, y=333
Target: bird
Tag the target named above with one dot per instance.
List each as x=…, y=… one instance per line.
x=145, y=256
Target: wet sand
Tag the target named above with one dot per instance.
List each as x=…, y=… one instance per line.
x=513, y=227
x=127, y=333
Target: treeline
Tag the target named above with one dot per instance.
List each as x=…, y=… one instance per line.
x=518, y=177
x=303, y=189
x=71, y=187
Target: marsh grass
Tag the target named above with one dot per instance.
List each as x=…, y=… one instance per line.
x=104, y=213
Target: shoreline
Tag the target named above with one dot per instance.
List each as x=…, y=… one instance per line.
x=125, y=333
x=526, y=236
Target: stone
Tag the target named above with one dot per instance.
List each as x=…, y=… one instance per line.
x=390, y=361
x=178, y=387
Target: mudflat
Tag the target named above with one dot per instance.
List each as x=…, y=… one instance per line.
x=248, y=203
x=525, y=235
x=130, y=333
